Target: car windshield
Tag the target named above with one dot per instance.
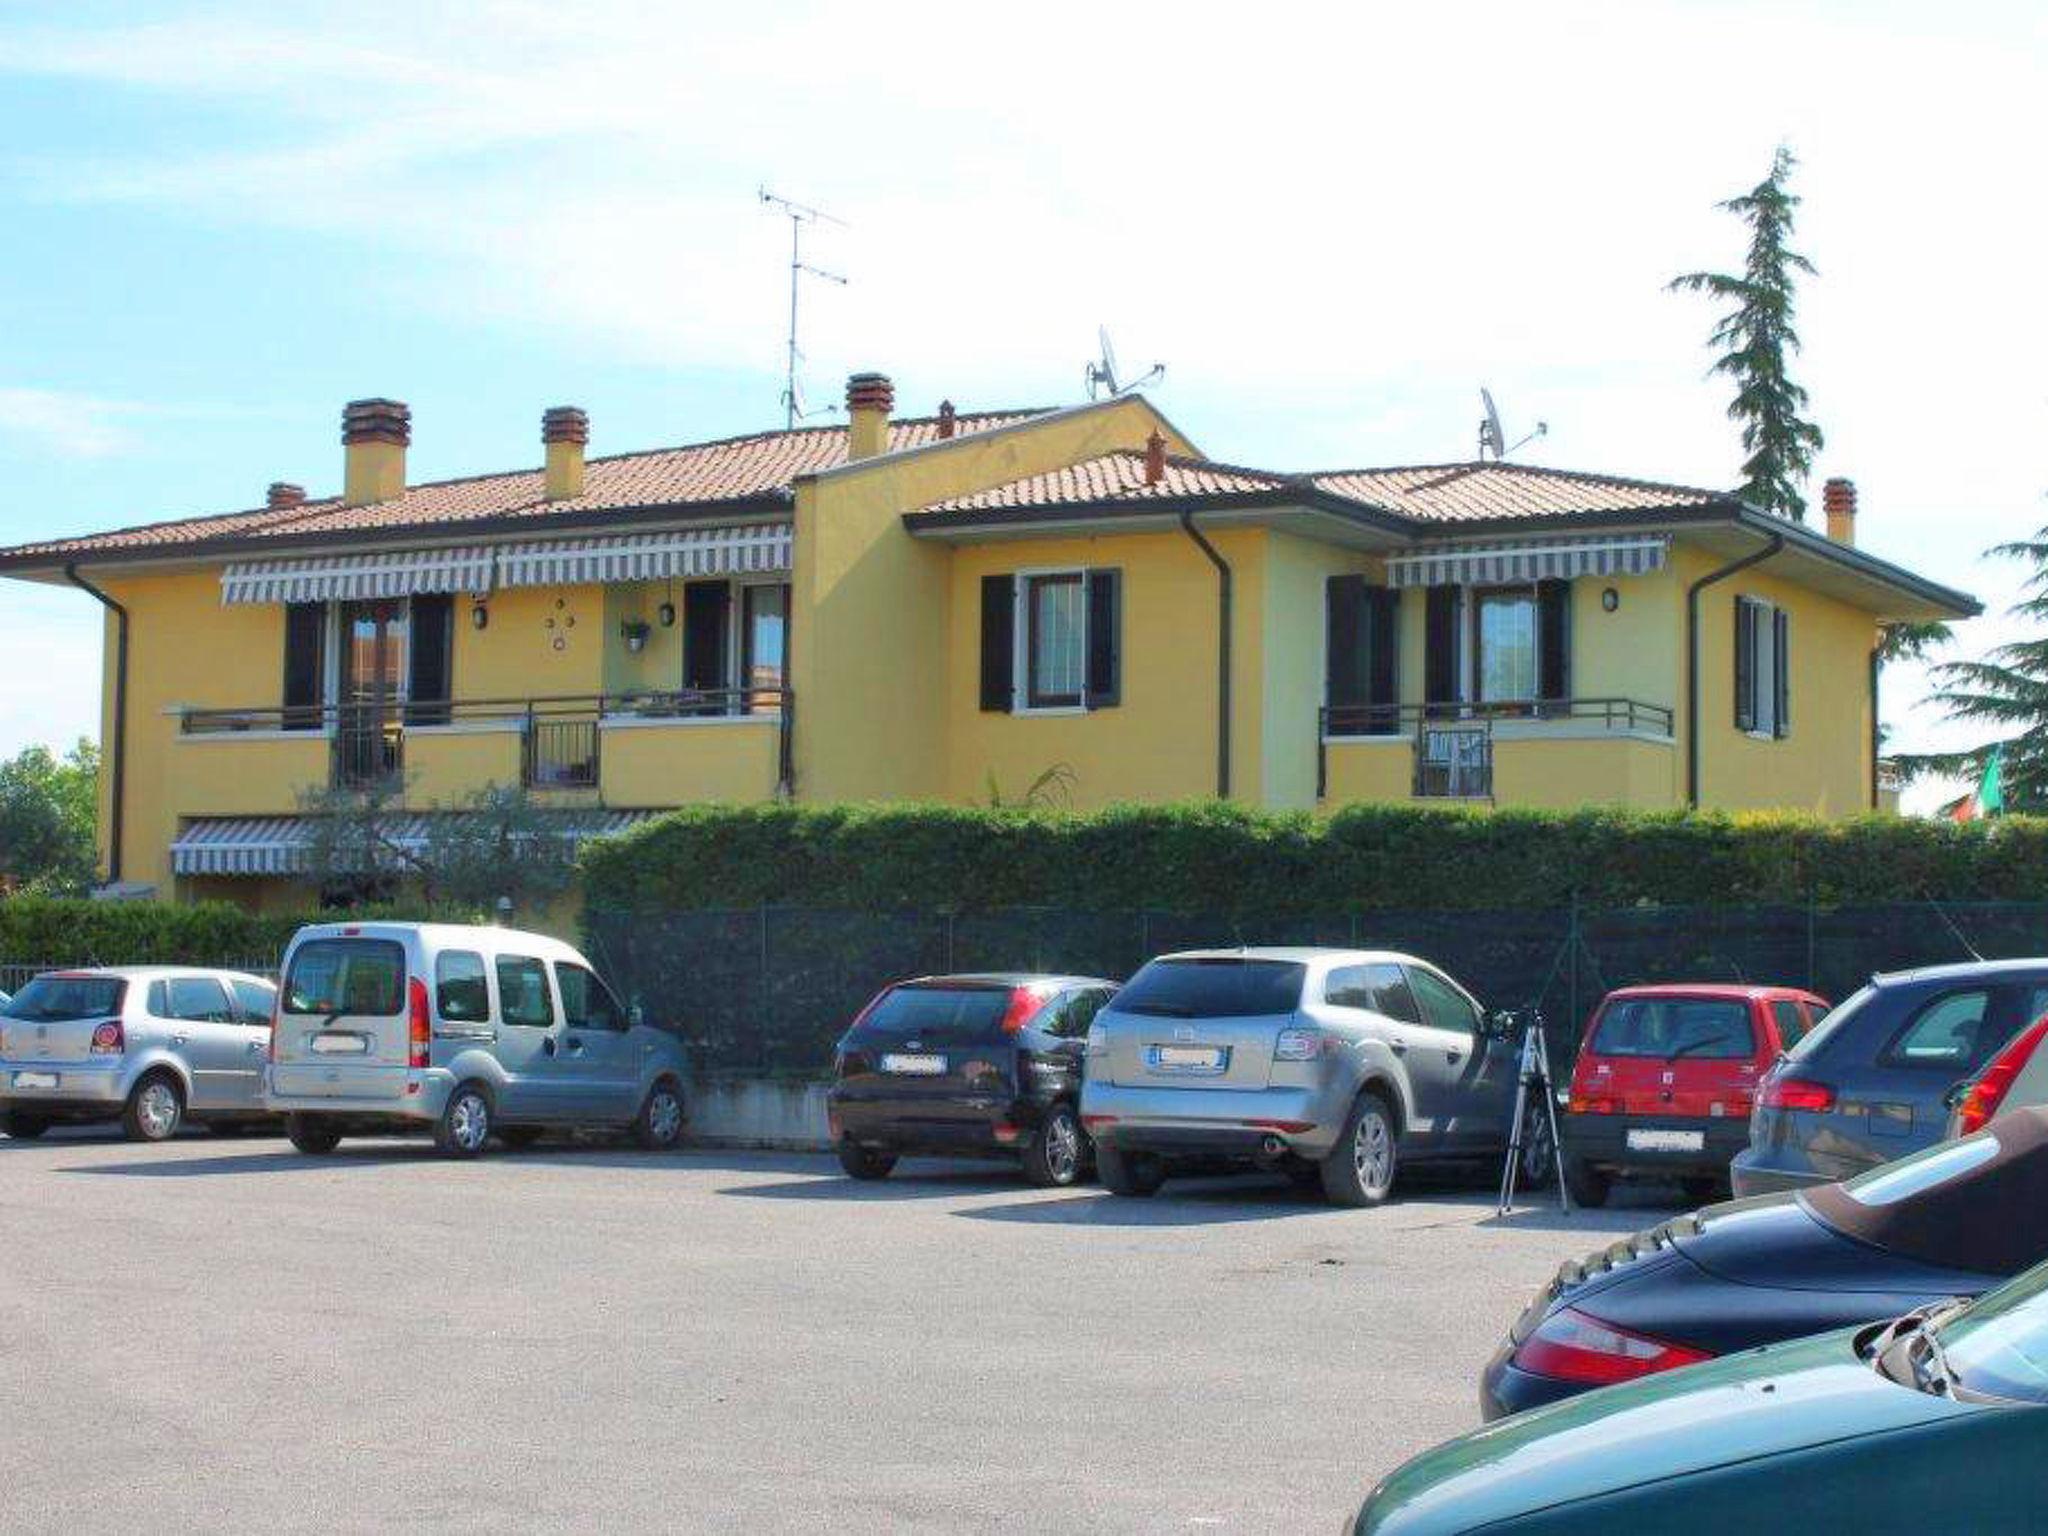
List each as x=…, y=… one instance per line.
x=1815, y=1040
x=1221, y=988
x=935, y=1015
x=2000, y=1345
x=365, y=977
x=1706, y=1027
x=56, y=999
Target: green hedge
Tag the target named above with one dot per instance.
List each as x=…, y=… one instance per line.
x=1218, y=859
x=36, y=930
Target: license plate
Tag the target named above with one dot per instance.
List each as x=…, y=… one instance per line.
x=1188, y=1058
x=1667, y=1141
x=35, y=1079
x=914, y=1066
x=340, y=1045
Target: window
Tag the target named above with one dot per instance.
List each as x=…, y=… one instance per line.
x=430, y=684
x=1443, y=1005
x=1360, y=666
x=254, y=1000
x=587, y=1003
x=461, y=995
x=523, y=993
x=365, y=977
x=53, y=999
x=1791, y=1022
x=1953, y=1033
x=939, y=1015
x=764, y=646
x=1052, y=640
x=193, y=999
x=1505, y=670
x=305, y=665
x=1080, y=1012
x=1380, y=989
x=1214, y=989
x=1763, y=668
x=1668, y=1028
x=1498, y=645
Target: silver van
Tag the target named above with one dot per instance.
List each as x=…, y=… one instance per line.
x=149, y=1046
x=467, y=1032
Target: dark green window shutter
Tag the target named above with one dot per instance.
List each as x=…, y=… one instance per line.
x=1745, y=665
x=998, y=641
x=1105, y=639
x=305, y=664
x=1440, y=647
x=1554, y=639
x=1344, y=641
x=707, y=612
x=1384, y=684
x=432, y=639
x=1781, y=683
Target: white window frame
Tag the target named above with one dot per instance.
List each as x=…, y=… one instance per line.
x=736, y=629
x=1763, y=669
x=1020, y=640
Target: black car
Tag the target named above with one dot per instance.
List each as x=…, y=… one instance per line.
x=967, y=1066
x=1954, y=1220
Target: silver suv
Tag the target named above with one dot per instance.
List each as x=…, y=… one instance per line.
x=150, y=1046
x=1335, y=1066
x=465, y=1032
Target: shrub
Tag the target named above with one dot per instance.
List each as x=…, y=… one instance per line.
x=37, y=930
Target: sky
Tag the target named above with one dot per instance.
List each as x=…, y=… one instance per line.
x=1331, y=223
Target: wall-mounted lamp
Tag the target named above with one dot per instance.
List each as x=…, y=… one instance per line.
x=1610, y=599
x=667, y=614
x=479, y=615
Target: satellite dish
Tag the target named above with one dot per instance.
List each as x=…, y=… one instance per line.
x=1101, y=376
x=1493, y=438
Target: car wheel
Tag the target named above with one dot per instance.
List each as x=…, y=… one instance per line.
x=1539, y=1151
x=1053, y=1160
x=865, y=1163
x=1703, y=1191
x=312, y=1136
x=1360, y=1169
x=660, y=1123
x=155, y=1109
x=1129, y=1173
x=465, y=1124
x=23, y=1127
x=520, y=1137
x=1587, y=1186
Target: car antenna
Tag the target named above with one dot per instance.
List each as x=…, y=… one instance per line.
x=1961, y=938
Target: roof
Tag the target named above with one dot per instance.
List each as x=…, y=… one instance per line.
x=1726, y=989
x=1494, y=492
x=756, y=469
x=1119, y=476
x=1298, y=954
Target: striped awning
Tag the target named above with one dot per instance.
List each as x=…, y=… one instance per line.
x=1510, y=560
x=276, y=845
x=734, y=551
x=388, y=573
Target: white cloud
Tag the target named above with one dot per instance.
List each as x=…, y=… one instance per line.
x=67, y=424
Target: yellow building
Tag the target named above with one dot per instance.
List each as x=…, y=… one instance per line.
x=960, y=606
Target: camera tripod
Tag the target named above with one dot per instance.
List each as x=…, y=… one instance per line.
x=1532, y=1082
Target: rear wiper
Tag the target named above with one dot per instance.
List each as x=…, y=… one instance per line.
x=1690, y=1046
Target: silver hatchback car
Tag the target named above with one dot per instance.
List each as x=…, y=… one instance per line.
x=150, y=1046
x=1333, y=1066
x=465, y=1032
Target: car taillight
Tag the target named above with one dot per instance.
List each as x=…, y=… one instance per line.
x=109, y=1039
x=1592, y=1104
x=1571, y=1345
x=1024, y=1002
x=1797, y=1093
x=1983, y=1097
x=421, y=1034
x=1297, y=1044
x=276, y=1023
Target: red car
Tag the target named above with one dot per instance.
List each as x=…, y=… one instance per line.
x=1665, y=1081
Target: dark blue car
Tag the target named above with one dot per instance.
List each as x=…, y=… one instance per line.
x=1871, y=1083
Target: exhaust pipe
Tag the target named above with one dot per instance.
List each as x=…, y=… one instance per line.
x=1272, y=1149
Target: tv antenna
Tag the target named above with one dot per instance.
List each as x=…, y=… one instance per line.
x=1493, y=438
x=1101, y=376
x=798, y=214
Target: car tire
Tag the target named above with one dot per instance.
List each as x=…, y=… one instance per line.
x=865, y=1163
x=311, y=1135
x=1137, y=1174
x=23, y=1127
x=1700, y=1192
x=1360, y=1169
x=1054, y=1158
x=155, y=1109
x=659, y=1125
x=1587, y=1185
x=520, y=1137
x=464, y=1128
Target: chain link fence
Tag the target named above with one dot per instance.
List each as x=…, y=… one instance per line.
x=768, y=990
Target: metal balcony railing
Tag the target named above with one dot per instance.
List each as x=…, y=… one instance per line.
x=1453, y=742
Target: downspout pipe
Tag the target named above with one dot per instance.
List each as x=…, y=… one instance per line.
x=1692, y=658
x=1223, y=578
x=117, y=754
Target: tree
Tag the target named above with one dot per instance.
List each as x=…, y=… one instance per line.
x=1755, y=337
x=49, y=820
x=2007, y=689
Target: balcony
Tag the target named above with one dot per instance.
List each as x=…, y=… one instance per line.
x=441, y=749
x=1553, y=751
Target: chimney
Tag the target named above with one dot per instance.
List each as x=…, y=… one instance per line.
x=946, y=418
x=565, y=429
x=1838, y=497
x=1155, y=459
x=869, y=398
x=283, y=494
x=375, y=434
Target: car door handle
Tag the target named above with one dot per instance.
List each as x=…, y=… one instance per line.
x=178, y=1039
x=1398, y=1047
x=256, y=1046
x=1453, y=1053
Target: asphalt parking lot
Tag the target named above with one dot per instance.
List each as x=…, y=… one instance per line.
x=220, y=1333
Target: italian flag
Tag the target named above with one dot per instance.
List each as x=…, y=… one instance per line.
x=1988, y=798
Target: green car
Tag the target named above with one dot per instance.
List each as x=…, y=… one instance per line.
x=1934, y=1423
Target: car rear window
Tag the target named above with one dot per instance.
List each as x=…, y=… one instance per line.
x=361, y=977
x=1222, y=988
x=935, y=1015
x=60, y=999
x=1701, y=1028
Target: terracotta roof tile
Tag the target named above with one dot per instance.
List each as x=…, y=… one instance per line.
x=732, y=469
x=1452, y=493
x=1118, y=476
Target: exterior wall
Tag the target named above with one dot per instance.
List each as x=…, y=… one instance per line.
x=685, y=762
x=516, y=656
x=1636, y=652
x=1159, y=742
x=1380, y=769
x=872, y=605
x=1293, y=661
x=1547, y=773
